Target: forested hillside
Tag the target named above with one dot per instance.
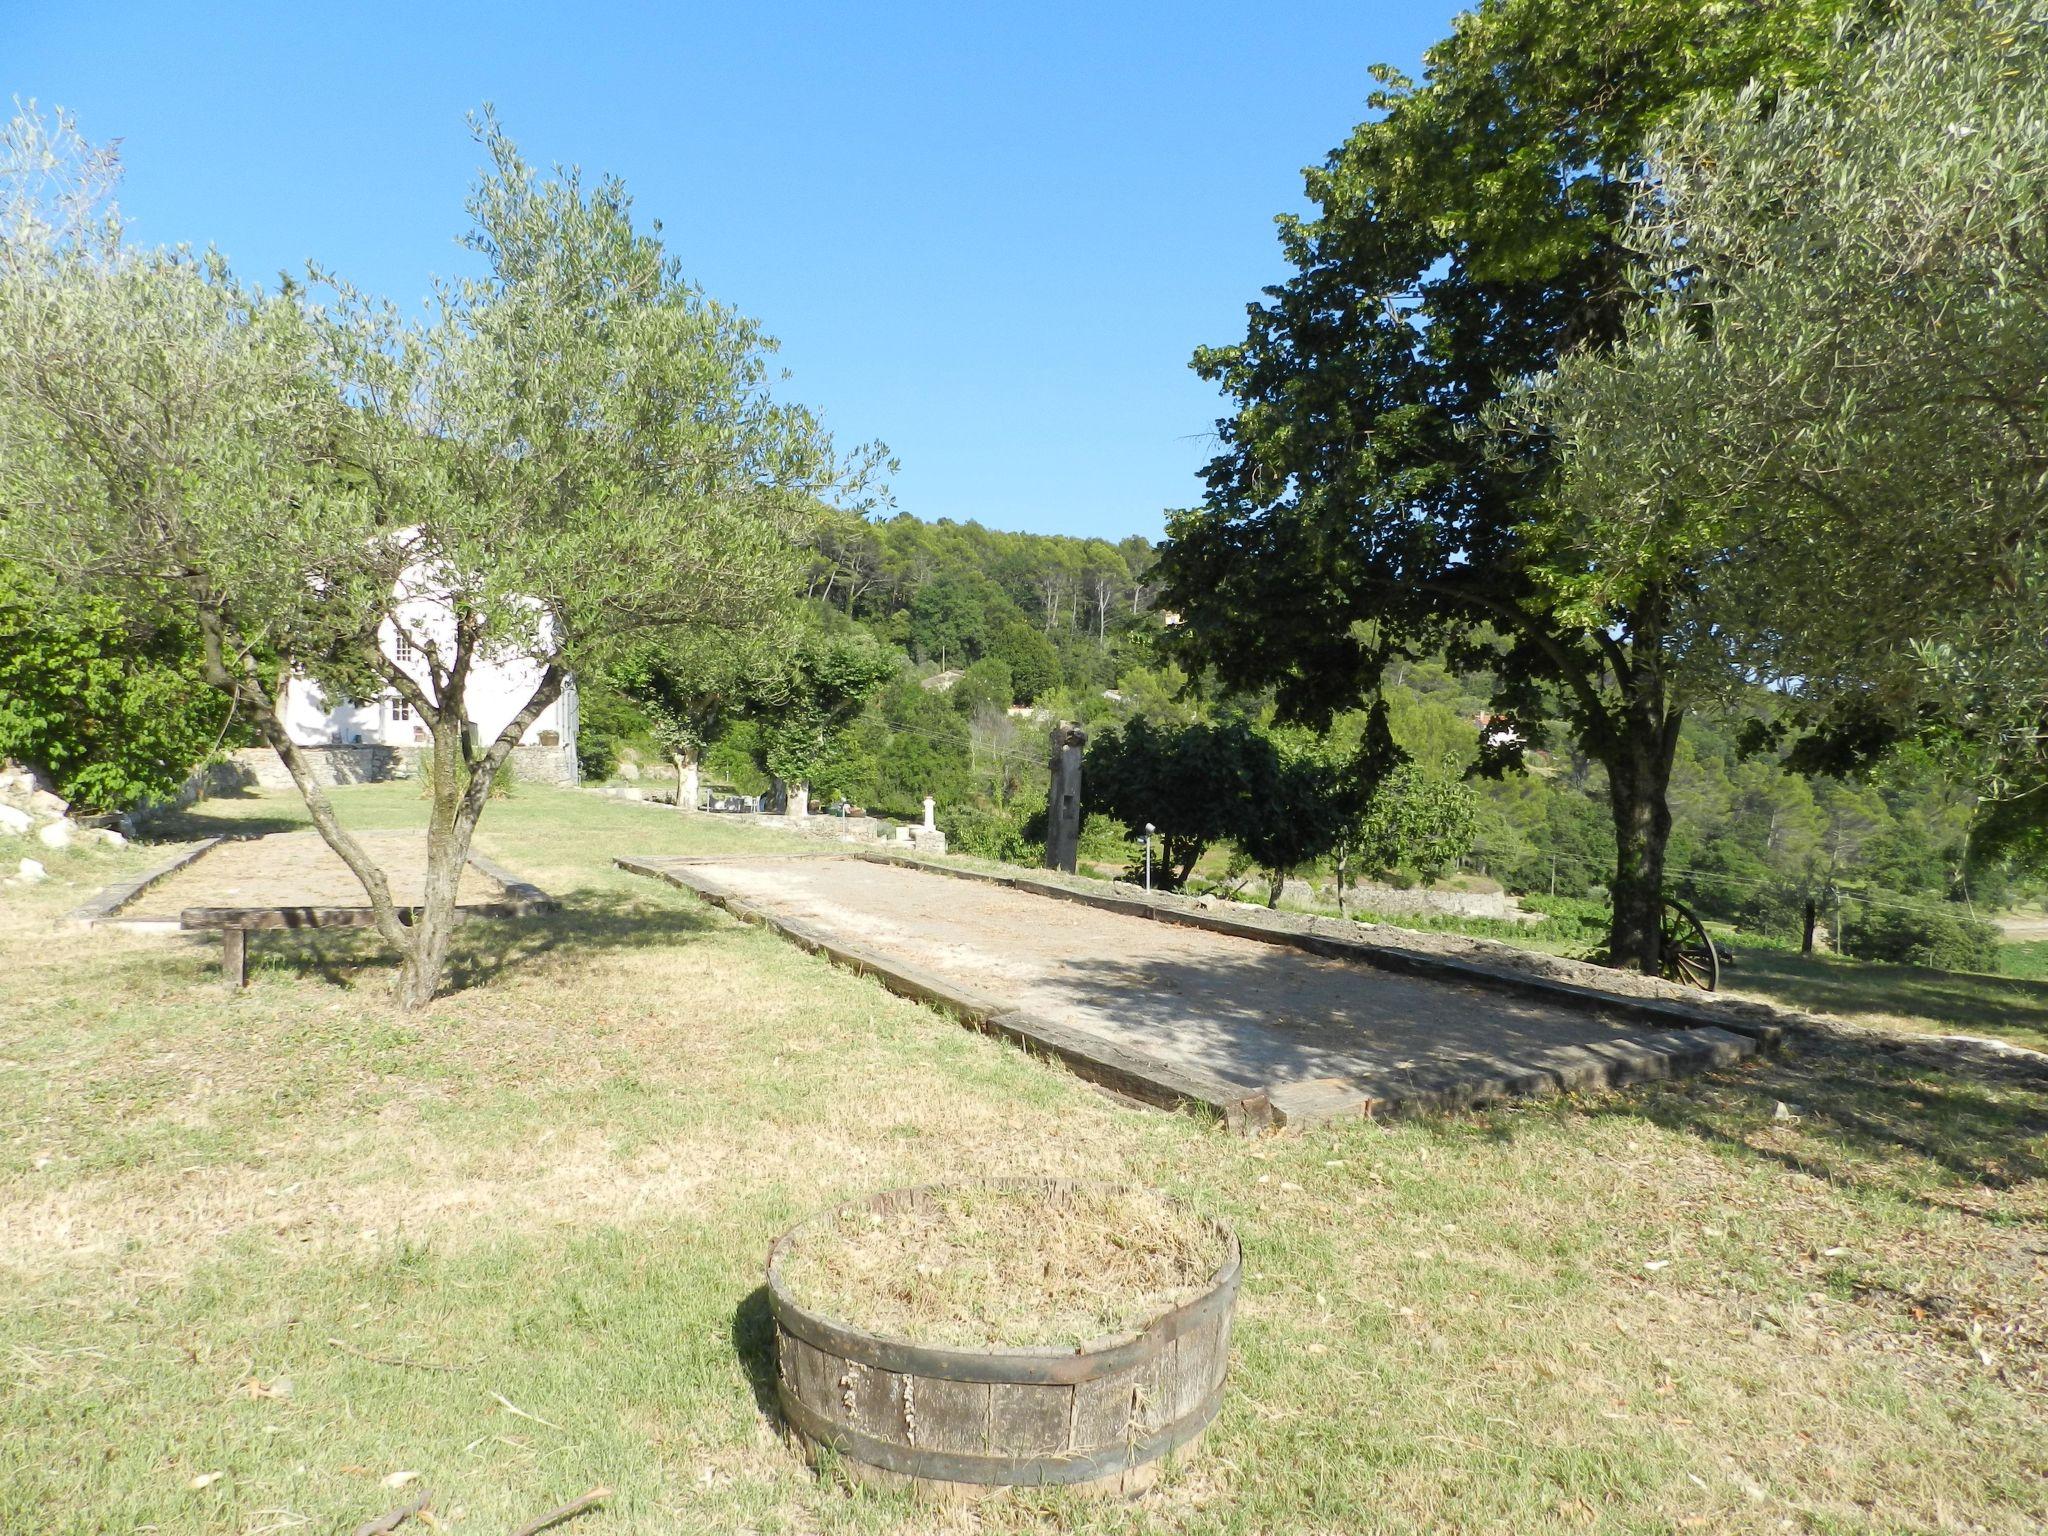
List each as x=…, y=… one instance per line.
x=996, y=635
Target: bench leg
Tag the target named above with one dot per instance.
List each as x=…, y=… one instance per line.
x=234, y=958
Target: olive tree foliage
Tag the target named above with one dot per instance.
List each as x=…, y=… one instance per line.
x=1826, y=433
x=570, y=454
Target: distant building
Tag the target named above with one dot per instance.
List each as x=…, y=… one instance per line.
x=1497, y=730
x=497, y=690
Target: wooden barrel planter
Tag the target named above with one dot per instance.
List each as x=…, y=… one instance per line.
x=1097, y=1417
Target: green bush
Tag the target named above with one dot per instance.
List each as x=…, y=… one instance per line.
x=987, y=834
x=596, y=756
x=1103, y=841
x=1934, y=935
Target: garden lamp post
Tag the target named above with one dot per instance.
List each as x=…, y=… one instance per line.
x=1149, y=830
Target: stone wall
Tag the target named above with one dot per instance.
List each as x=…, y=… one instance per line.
x=261, y=768
x=1392, y=900
x=545, y=765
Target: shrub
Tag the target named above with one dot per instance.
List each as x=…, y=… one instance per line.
x=1933, y=935
x=596, y=756
x=987, y=834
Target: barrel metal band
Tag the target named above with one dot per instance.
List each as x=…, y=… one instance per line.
x=1053, y=1469
x=1033, y=1369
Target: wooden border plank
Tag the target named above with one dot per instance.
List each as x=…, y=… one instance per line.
x=107, y=904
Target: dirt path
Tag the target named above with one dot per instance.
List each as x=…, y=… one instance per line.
x=297, y=869
x=1239, y=1010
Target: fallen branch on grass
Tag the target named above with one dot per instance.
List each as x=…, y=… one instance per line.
x=384, y=1524
x=568, y=1511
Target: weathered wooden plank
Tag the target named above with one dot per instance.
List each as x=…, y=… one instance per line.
x=1030, y=1420
x=1103, y=1411
x=106, y=905
x=953, y=1415
x=274, y=918
x=234, y=958
x=813, y=1377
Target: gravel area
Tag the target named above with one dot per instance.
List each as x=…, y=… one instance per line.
x=297, y=869
x=1240, y=1010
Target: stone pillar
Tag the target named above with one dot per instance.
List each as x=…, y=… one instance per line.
x=929, y=824
x=1063, y=802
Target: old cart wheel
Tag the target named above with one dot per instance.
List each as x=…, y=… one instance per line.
x=1689, y=954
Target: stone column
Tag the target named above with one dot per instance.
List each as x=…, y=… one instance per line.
x=929, y=824
x=1063, y=802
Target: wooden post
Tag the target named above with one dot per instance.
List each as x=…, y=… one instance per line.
x=1063, y=803
x=234, y=958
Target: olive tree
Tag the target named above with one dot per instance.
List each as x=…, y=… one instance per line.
x=573, y=452
x=1823, y=432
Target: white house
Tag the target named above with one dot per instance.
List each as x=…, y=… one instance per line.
x=498, y=688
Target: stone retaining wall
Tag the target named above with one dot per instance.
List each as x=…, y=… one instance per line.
x=262, y=768
x=1392, y=900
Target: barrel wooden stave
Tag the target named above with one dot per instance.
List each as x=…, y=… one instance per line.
x=1092, y=1430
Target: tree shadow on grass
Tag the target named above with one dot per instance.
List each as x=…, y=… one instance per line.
x=1958, y=1000
x=584, y=923
x=192, y=823
x=1860, y=1116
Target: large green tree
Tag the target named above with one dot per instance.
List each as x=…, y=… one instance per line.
x=575, y=451
x=1465, y=237
x=1824, y=435
x=805, y=696
x=110, y=703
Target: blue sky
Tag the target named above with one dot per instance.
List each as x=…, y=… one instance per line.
x=988, y=235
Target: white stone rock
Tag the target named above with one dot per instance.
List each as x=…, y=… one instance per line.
x=55, y=834
x=112, y=838
x=14, y=819
x=33, y=871
x=48, y=804
x=630, y=772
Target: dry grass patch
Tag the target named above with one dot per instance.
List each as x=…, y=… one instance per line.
x=1022, y=1265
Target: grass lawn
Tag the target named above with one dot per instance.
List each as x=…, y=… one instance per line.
x=1901, y=996
x=260, y=1256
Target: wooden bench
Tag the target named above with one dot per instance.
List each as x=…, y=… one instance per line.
x=235, y=924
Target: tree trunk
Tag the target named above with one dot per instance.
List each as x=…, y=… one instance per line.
x=1812, y=916
x=450, y=825
x=797, y=804
x=1343, y=880
x=686, y=781
x=1276, y=881
x=1638, y=778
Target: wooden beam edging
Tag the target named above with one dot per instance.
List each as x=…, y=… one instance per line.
x=1163, y=907
x=107, y=904
x=1134, y=1074
x=524, y=893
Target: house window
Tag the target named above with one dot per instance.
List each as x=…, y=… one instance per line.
x=400, y=710
x=406, y=652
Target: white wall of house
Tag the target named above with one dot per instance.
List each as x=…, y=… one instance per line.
x=498, y=689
